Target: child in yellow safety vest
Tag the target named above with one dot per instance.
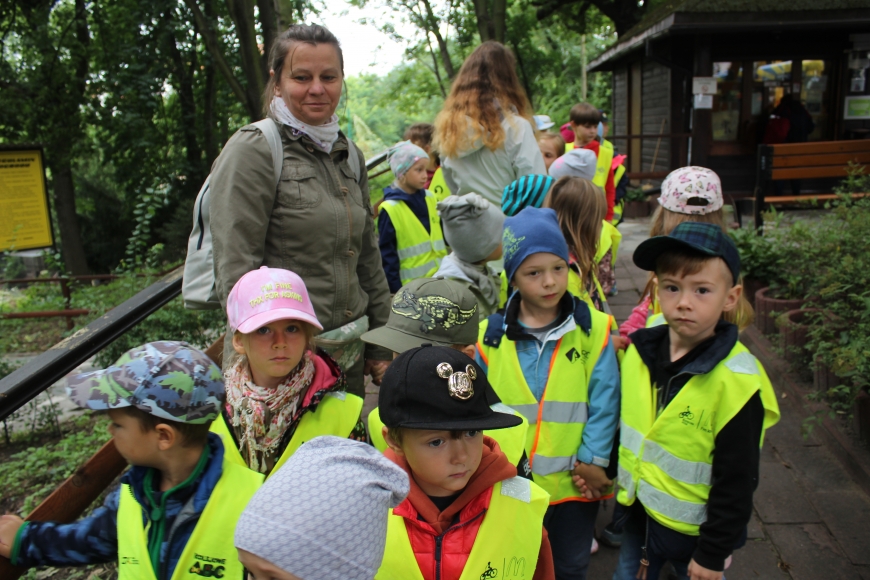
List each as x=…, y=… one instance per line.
x=338, y=530
x=409, y=229
x=442, y=313
x=689, y=194
x=549, y=356
x=174, y=514
x=467, y=515
x=281, y=389
x=695, y=407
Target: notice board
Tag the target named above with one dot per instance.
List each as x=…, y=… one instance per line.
x=26, y=222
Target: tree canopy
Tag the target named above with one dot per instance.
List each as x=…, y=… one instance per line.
x=132, y=101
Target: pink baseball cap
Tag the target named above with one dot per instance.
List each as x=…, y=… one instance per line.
x=567, y=133
x=266, y=295
x=692, y=190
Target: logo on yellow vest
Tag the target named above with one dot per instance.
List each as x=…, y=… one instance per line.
x=573, y=355
x=208, y=569
x=129, y=560
x=489, y=572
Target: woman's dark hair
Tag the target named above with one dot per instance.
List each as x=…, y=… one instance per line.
x=312, y=34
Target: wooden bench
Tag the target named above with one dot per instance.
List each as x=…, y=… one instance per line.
x=817, y=159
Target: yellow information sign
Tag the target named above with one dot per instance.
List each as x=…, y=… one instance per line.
x=26, y=223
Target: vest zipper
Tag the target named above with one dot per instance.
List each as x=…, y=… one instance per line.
x=439, y=539
x=667, y=391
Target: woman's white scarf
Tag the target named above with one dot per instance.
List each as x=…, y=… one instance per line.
x=324, y=136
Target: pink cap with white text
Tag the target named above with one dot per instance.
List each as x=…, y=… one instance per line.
x=266, y=295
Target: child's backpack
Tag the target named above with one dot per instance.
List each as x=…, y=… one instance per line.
x=198, y=286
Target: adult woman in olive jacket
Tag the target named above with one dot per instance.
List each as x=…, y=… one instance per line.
x=319, y=221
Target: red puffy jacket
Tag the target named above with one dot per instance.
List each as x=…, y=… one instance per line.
x=442, y=541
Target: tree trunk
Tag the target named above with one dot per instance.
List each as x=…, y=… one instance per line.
x=499, y=17
x=583, y=63
x=270, y=30
x=184, y=87
x=210, y=100
x=71, y=246
x=484, y=23
x=242, y=13
x=432, y=26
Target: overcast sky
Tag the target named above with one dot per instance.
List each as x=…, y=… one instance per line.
x=366, y=49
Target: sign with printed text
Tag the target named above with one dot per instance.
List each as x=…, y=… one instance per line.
x=704, y=85
x=26, y=223
x=857, y=108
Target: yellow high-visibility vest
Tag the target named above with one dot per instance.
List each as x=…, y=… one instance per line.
x=210, y=552
x=556, y=422
x=666, y=457
x=602, y=165
x=420, y=252
x=511, y=440
x=336, y=414
x=438, y=185
x=506, y=546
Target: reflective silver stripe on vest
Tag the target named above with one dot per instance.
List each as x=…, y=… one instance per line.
x=340, y=395
x=518, y=488
x=419, y=249
x=543, y=465
x=743, y=363
x=530, y=412
x=679, y=469
x=562, y=412
x=630, y=438
x=418, y=272
x=626, y=481
x=671, y=507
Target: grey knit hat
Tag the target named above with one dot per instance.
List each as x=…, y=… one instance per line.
x=323, y=515
x=472, y=226
x=575, y=163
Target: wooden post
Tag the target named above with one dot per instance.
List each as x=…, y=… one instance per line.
x=702, y=119
x=67, y=298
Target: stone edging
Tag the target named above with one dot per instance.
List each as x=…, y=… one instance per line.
x=855, y=459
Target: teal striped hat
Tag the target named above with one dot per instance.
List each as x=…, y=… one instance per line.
x=527, y=191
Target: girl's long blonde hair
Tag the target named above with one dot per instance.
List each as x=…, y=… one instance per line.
x=663, y=222
x=580, y=208
x=486, y=89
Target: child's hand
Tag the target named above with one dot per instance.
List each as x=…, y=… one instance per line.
x=593, y=475
x=376, y=368
x=9, y=525
x=619, y=343
x=580, y=484
x=698, y=572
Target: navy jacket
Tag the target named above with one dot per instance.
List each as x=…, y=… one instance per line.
x=387, y=231
x=94, y=539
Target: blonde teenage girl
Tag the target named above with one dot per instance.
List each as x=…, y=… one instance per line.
x=485, y=133
x=281, y=390
x=689, y=194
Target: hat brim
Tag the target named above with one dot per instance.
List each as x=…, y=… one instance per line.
x=545, y=126
x=495, y=420
x=648, y=251
x=398, y=341
x=263, y=318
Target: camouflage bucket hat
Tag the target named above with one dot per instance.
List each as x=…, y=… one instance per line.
x=170, y=380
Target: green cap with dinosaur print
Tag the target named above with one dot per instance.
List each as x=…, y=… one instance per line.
x=428, y=311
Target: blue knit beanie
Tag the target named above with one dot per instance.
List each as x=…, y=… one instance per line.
x=531, y=231
x=527, y=191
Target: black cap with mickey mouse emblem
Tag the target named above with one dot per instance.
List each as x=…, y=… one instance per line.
x=437, y=387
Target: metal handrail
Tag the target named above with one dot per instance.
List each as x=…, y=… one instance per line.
x=25, y=383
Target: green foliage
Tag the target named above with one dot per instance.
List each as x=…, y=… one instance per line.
x=635, y=194
x=29, y=476
x=758, y=254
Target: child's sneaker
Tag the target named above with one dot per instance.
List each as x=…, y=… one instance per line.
x=610, y=538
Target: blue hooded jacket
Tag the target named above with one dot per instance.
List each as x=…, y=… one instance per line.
x=94, y=539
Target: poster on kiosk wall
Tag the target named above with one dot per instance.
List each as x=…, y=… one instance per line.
x=26, y=223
